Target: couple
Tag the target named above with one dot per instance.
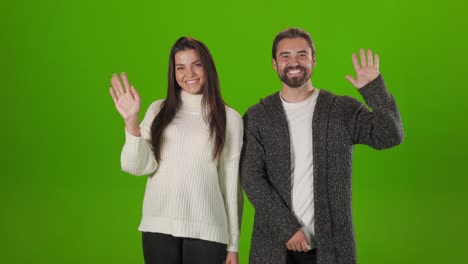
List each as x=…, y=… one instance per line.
x=292, y=152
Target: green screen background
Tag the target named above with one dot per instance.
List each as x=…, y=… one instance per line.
x=64, y=198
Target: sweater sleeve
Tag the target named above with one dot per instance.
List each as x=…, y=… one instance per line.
x=379, y=127
x=137, y=156
x=228, y=171
x=263, y=196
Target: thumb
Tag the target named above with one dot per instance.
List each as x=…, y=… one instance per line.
x=351, y=80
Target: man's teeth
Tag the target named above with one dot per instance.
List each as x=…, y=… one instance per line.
x=294, y=71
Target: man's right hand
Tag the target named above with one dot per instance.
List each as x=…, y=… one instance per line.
x=127, y=102
x=298, y=242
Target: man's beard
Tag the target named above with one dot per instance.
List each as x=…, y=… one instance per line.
x=295, y=82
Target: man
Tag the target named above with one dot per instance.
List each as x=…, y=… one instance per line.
x=297, y=156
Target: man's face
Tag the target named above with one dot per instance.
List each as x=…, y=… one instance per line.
x=294, y=61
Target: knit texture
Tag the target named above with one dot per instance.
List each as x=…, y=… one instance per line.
x=338, y=123
x=188, y=194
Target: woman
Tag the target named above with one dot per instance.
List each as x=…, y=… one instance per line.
x=189, y=144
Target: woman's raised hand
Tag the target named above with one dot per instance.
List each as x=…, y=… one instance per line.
x=127, y=101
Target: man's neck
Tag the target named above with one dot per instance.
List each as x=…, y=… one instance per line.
x=299, y=94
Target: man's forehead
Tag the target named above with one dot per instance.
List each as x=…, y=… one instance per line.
x=293, y=44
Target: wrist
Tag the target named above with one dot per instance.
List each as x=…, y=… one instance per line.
x=131, y=119
x=134, y=132
x=132, y=126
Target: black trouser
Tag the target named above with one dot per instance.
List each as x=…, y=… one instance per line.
x=298, y=257
x=166, y=249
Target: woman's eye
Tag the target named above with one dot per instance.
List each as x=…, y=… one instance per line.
x=198, y=64
x=179, y=68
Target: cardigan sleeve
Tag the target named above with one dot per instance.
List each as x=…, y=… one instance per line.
x=228, y=172
x=137, y=156
x=258, y=188
x=379, y=127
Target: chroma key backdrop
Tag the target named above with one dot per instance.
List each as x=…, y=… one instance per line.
x=64, y=197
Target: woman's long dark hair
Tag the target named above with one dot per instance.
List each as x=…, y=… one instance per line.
x=213, y=104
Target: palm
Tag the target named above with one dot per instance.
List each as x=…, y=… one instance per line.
x=128, y=106
x=366, y=71
x=125, y=97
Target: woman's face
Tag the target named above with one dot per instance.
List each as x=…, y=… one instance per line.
x=189, y=71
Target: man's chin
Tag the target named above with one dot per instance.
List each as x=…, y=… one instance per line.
x=294, y=83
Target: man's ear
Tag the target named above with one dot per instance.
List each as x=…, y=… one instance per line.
x=314, y=61
x=273, y=61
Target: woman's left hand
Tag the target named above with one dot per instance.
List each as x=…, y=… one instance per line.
x=232, y=258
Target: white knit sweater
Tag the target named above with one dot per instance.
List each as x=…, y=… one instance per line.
x=188, y=194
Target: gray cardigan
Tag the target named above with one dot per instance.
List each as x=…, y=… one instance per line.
x=339, y=122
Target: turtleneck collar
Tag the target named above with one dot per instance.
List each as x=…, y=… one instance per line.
x=191, y=102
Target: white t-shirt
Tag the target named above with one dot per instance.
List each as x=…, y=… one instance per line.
x=299, y=116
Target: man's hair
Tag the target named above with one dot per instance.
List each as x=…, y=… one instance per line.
x=292, y=33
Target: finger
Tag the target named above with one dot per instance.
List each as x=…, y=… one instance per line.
x=355, y=62
x=134, y=93
x=293, y=246
x=296, y=246
x=288, y=245
x=113, y=86
x=351, y=80
x=363, y=58
x=126, y=83
x=117, y=84
x=114, y=96
x=376, y=61
x=369, y=58
x=304, y=245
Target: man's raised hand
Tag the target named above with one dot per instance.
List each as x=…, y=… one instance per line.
x=366, y=71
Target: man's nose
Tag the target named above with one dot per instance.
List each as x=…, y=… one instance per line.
x=294, y=61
